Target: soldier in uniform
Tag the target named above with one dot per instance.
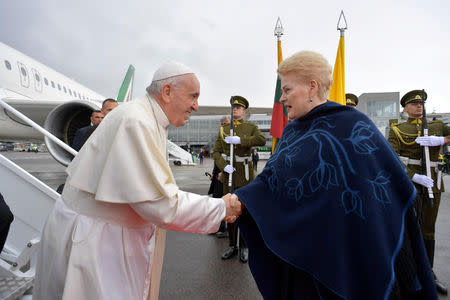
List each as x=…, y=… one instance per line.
x=351, y=100
x=247, y=135
x=407, y=141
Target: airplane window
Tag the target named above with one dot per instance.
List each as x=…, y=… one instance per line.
x=7, y=65
x=59, y=87
x=46, y=81
x=24, y=72
x=38, y=79
x=53, y=84
x=84, y=98
x=70, y=92
x=65, y=91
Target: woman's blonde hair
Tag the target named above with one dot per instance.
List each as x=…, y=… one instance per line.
x=309, y=65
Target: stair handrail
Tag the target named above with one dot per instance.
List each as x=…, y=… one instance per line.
x=37, y=127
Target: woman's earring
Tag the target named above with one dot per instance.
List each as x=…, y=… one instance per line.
x=310, y=99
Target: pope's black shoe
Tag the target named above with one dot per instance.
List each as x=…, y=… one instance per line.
x=229, y=253
x=222, y=234
x=440, y=287
x=243, y=255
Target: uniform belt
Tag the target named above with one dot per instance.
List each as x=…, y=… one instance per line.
x=237, y=158
x=241, y=159
x=416, y=162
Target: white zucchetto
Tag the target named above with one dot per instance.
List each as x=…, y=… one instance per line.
x=171, y=69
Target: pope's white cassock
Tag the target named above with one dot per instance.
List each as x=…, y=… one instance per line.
x=105, y=237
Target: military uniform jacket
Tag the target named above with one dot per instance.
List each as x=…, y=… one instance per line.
x=250, y=136
x=402, y=136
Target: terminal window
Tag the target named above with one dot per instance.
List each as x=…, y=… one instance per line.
x=381, y=109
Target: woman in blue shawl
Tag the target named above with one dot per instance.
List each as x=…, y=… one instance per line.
x=330, y=216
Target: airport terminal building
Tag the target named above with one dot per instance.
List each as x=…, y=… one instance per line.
x=202, y=128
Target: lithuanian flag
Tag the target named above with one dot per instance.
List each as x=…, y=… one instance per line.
x=279, y=112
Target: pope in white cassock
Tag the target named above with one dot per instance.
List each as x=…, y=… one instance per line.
x=105, y=237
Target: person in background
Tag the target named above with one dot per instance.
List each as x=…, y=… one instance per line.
x=408, y=143
x=6, y=218
x=255, y=159
x=216, y=186
x=79, y=139
x=201, y=155
x=351, y=100
x=247, y=135
x=216, y=191
x=108, y=105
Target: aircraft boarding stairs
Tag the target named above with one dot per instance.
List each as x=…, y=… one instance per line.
x=30, y=200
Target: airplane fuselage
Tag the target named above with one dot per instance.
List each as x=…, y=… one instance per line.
x=23, y=77
x=34, y=89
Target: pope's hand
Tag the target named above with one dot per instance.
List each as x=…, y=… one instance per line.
x=423, y=180
x=430, y=140
x=232, y=139
x=229, y=169
x=234, y=208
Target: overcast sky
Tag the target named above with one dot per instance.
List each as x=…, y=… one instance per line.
x=390, y=46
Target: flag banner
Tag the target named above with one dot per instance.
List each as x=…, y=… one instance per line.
x=337, y=90
x=279, y=112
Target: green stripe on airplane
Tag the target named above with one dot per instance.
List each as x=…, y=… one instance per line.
x=126, y=88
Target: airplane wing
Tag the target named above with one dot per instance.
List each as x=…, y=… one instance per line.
x=126, y=89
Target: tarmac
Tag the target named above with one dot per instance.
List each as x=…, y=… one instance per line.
x=192, y=266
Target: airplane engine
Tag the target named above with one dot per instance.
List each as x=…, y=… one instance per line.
x=63, y=121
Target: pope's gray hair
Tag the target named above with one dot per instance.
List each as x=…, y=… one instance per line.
x=154, y=89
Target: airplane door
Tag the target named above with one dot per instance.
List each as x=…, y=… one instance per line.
x=24, y=78
x=37, y=80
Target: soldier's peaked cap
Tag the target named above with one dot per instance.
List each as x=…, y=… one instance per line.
x=413, y=96
x=351, y=99
x=239, y=100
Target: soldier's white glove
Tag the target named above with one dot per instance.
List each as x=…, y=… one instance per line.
x=229, y=169
x=430, y=140
x=232, y=139
x=423, y=180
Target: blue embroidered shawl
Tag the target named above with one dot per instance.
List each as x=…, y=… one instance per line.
x=331, y=201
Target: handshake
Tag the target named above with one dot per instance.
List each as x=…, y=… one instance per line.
x=234, y=207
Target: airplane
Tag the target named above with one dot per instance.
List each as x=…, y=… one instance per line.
x=53, y=101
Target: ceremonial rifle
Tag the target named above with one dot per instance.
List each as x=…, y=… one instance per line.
x=426, y=169
x=230, y=176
